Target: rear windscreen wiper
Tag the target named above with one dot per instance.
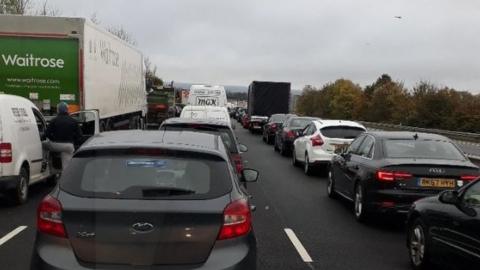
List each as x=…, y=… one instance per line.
x=166, y=191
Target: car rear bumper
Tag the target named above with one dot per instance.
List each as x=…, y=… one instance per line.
x=53, y=253
x=320, y=156
x=397, y=201
x=8, y=182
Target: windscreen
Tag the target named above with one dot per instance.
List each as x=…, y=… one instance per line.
x=299, y=122
x=422, y=149
x=342, y=132
x=125, y=176
x=277, y=118
x=225, y=133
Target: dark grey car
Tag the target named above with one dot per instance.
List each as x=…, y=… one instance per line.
x=147, y=200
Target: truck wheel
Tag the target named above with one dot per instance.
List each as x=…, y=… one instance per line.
x=20, y=193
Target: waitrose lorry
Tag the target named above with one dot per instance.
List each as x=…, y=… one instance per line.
x=53, y=59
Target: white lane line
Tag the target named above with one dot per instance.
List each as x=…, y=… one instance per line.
x=298, y=245
x=11, y=234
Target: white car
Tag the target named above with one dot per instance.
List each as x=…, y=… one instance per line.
x=207, y=112
x=318, y=141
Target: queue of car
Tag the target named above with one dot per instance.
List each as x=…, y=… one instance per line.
x=425, y=177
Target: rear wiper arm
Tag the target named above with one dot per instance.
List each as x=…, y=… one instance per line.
x=167, y=191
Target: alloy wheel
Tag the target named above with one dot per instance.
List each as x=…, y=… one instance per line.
x=358, y=202
x=417, y=245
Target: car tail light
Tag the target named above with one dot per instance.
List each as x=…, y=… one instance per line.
x=317, y=141
x=237, y=220
x=468, y=177
x=238, y=161
x=5, y=152
x=49, y=217
x=290, y=134
x=273, y=126
x=389, y=176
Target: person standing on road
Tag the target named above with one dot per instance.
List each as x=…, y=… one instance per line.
x=63, y=132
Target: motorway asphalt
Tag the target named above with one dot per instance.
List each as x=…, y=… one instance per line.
x=285, y=199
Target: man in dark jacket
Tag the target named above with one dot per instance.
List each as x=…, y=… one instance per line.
x=63, y=132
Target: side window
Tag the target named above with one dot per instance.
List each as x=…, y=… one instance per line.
x=308, y=130
x=42, y=128
x=353, y=148
x=472, y=195
x=365, y=149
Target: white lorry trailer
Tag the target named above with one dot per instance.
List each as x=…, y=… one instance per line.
x=54, y=59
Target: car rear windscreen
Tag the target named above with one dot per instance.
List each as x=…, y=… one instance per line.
x=422, y=149
x=121, y=174
x=342, y=132
x=277, y=118
x=299, y=122
x=223, y=132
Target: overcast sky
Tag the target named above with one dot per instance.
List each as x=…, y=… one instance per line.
x=301, y=41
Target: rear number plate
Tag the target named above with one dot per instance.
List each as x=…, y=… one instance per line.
x=437, y=183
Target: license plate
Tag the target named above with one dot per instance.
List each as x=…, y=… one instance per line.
x=437, y=182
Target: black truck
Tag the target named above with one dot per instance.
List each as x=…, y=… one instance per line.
x=265, y=99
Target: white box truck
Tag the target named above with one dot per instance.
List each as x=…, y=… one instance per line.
x=54, y=59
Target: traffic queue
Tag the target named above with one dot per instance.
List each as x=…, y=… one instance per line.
x=422, y=177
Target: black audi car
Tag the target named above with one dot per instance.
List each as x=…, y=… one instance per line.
x=388, y=171
x=147, y=200
x=288, y=131
x=445, y=230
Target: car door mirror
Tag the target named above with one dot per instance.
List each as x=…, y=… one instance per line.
x=249, y=175
x=449, y=197
x=242, y=147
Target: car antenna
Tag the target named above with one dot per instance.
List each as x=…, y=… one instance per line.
x=415, y=136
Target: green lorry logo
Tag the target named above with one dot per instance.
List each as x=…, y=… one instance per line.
x=45, y=70
x=31, y=61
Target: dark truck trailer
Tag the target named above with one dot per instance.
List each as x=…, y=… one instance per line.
x=267, y=98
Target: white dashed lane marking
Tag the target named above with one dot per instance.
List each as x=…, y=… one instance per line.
x=298, y=246
x=11, y=234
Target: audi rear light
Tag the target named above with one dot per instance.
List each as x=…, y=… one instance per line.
x=237, y=220
x=5, y=152
x=238, y=161
x=290, y=134
x=49, y=217
x=390, y=176
x=317, y=141
x=468, y=177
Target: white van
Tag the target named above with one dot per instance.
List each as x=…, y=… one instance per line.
x=207, y=95
x=23, y=159
x=206, y=112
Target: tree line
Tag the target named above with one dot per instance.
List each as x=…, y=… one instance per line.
x=386, y=101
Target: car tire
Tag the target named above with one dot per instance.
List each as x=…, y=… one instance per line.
x=264, y=139
x=275, y=145
x=307, y=167
x=20, y=193
x=418, y=247
x=294, y=158
x=332, y=194
x=283, y=151
x=359, y=207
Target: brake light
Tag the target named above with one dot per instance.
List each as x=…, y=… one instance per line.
x=237, y=220
x=5, y=152
x=390, y=176
x=49, y=217
x=468, y=177
x=290, y=134
x=237, y=160
x=273, y=126
x=317, y=141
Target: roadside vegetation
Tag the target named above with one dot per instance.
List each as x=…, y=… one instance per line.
x=388, y=101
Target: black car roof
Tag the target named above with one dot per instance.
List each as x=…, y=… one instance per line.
x=398, y=135
x=176, y=140
x=213, y=122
